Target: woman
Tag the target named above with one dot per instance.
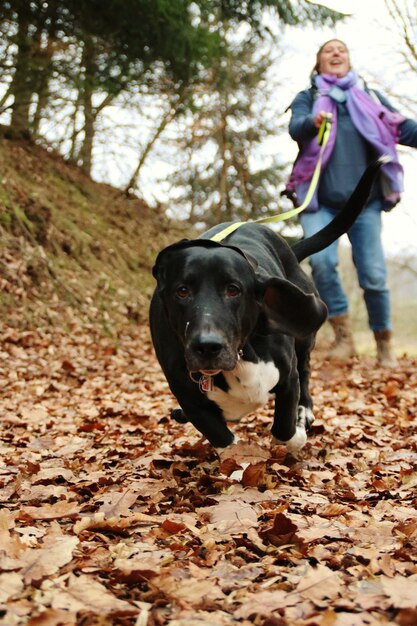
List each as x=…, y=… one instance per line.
x=364, y=126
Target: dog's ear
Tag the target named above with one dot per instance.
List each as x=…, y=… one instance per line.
x=163, y=256
x=291, y=311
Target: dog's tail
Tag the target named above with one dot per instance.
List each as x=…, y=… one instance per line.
x=345, y=218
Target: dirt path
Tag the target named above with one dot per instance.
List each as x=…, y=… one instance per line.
x=112, y=514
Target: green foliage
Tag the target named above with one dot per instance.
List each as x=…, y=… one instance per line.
x=291, y=12
x=67, y=60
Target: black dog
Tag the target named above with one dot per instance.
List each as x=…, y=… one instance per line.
x=233, y=323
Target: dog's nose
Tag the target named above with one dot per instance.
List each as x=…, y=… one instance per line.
x=208, y=345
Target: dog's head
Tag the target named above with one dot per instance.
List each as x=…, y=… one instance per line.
x=214, y=295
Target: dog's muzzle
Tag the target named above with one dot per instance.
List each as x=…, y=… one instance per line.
x=209, y=353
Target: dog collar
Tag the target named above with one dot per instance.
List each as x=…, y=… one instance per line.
x=204, y=382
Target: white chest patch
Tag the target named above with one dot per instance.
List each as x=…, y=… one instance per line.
x=249, y=389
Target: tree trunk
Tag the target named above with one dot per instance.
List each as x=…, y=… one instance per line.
x=224, y=209
x=166, y=119
x=242, y=169
x=21, y=87
x=45, y=67
x=89, y=65
x=73, y=153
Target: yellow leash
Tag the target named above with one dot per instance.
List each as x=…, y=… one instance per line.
x=322, y=139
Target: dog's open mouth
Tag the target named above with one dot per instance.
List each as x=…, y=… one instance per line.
x=210, y=372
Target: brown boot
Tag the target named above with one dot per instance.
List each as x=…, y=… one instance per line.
x=384, y=350
x=343, y=347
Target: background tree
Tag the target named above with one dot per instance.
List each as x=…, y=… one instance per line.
x=220, y=176
x=404, y=22
x=113, y=44
x=81, y=55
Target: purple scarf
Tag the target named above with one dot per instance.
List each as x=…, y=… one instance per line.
x=377, y=124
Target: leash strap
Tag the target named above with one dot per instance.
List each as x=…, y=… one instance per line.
x=322, y=140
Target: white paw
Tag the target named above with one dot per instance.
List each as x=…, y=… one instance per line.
x=297, y=442
x=305, y=417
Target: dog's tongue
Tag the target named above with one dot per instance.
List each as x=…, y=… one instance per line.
x=210, y=372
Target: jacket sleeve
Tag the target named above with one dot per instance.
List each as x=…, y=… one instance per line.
x=407, y=128
x=301, y=126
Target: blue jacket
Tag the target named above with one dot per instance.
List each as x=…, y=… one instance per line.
x=351, y=153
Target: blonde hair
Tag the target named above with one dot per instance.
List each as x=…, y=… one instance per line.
x=320, y=50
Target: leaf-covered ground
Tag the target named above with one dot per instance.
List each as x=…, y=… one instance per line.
x=112, y=514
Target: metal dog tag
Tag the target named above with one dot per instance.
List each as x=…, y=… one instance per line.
x=206, y=383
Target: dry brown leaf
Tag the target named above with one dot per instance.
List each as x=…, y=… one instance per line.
x=245, y=453
x=11, y=584
x=172, y=527
x=142, y=568
x=282, y=532
x=233, y=517
x=193, y=592
x=254, y=475
x=98, y=522
x=401, y=591
x=83, y=593
x=334, y=510
x=319, y=583
x=39, y=563
x=53, y=617
x=58, y=510
x=265, y=603
x=406, y=617
x=118, y=503
x=51, y=474
x=7, y=520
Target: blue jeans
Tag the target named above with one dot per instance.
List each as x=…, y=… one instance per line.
x=368, y=258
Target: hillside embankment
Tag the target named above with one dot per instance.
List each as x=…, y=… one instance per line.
x=70, y=246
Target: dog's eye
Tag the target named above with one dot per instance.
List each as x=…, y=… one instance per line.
x=182, y=291
x=232, y=290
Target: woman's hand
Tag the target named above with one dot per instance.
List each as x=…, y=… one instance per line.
x=320, y=116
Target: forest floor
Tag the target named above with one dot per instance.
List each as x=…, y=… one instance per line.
x=113, y=514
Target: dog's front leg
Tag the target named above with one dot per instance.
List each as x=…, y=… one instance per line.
x=208, y=419
x=289, y=425
x=303, y=350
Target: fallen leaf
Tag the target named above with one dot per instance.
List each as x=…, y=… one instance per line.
x=265, y=603
x=402, y=592
x=233, y=517
x=98, y=522
x=58, y=510
x=83, y=593
x=254, y=474
x=39, y=563
x=319, y=583
x=11, y=584
x=282, y=532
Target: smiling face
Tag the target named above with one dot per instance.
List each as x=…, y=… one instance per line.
x=333, y=58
